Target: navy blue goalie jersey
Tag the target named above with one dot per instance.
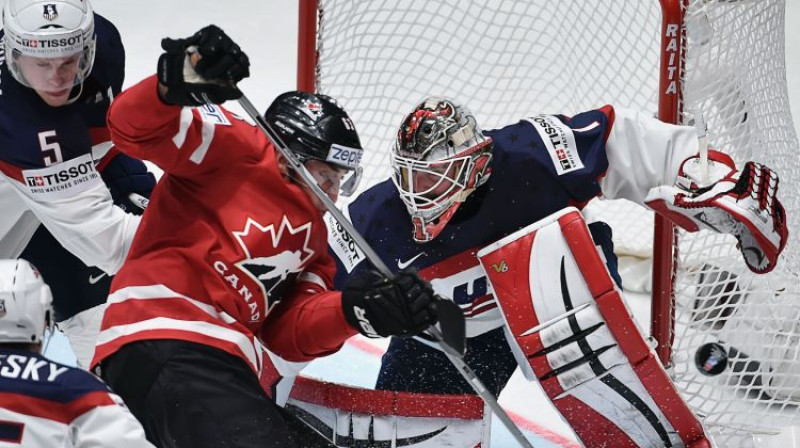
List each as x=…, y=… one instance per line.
x=540, y=165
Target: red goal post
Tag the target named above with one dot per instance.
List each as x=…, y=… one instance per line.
x=717, y=64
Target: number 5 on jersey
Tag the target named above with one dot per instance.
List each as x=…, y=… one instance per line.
x=51, y=150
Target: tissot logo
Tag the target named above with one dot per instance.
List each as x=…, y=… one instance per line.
x=342, y=244
x=62, y=180
x=62, y=176
x=559, y=140
x=273, y=258
x=51, y=43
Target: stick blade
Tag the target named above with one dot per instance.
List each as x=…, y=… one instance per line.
x=452, y=324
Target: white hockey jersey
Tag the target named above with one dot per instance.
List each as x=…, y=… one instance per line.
x=44, y=404
x=50, y=158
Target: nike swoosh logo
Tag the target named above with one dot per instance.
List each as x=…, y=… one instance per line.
x=94, y=279
x=404, y=264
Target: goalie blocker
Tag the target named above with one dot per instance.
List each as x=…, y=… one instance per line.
x=570, y=330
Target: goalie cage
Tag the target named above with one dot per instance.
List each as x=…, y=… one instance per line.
x=730, y=338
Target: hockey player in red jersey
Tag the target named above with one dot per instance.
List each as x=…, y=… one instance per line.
x=232, y=254
x=43, y=403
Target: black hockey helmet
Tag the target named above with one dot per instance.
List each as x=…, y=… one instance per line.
x=316, y=126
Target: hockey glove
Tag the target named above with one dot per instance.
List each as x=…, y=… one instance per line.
x=203, y=68
x=129, y=182
x=743, y=204
x=379, y=307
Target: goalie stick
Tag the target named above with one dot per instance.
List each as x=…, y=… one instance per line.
x=452, y=337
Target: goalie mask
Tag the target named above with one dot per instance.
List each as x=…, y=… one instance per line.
x=25, y=303
x=49, y=45
x=316, y=127
x=440, y=156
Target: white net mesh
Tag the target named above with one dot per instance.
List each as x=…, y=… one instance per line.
x=509, y=59
x=735, y=82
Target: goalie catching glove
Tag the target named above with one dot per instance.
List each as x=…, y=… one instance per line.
x=203, y=68
x=378, y=306
x=743, y=204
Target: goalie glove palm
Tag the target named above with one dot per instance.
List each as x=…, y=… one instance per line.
x=378, y=306
x=743, y=204
x=209, y=78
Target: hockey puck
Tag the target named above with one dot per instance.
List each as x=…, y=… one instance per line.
x=711, y=359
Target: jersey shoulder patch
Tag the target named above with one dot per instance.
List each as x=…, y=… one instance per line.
x=342, y=244
x=559, y=140
x=62, y=180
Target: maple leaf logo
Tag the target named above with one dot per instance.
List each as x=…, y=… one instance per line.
x=274, y=258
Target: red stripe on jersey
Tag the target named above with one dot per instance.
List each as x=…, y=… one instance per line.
x=99, y=135
x=53, y=410
x=104, y=161
x=152, y=316
x=581, y=204
x=135, y=310
x=480, y=305
x=12, y=171
x=107, y=349
x=608, y=111
x=451, y=266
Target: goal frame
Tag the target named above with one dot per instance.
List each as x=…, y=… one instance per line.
x=671, y=74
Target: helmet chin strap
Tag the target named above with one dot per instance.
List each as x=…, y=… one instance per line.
x=72, y=99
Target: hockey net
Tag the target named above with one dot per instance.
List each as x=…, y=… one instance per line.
x=721, y=70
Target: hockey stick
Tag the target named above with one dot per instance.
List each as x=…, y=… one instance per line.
x=452, y=336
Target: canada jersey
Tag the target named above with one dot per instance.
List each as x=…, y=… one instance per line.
x=43, y=404
x=226, y=240
x=50, y=157
x=539, y=166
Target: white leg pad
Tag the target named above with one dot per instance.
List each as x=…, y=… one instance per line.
x=570, y=329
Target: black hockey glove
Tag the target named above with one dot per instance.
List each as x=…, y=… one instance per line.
x=212, y=78
x=129, y=182
x=379, y=307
